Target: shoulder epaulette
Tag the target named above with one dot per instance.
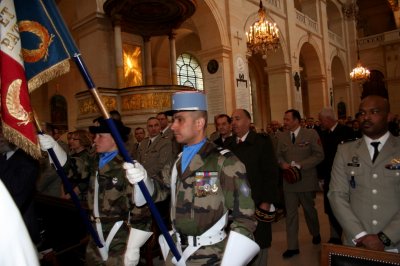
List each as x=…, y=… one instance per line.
x=348, y=140
x=223, y=151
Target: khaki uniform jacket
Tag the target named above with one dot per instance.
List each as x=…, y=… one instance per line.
x=373, y=204
x=156, y=156
x=307, y=151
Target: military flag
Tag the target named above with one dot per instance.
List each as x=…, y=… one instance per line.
x=16, y=110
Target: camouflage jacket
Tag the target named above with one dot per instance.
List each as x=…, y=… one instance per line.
x=214, y=181
x=78, y=171
x=115, y=191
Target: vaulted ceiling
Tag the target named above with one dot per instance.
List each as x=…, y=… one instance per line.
x=376, y=16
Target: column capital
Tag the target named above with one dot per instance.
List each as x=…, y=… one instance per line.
x=172, y=35
x=146, y=38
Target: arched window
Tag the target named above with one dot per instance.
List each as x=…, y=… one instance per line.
x=189, y=72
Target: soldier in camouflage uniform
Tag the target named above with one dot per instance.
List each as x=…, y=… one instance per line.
x=205, y=182
x=110, y=200
x=79, y=167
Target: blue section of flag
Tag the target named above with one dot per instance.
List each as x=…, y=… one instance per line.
x=44, y=41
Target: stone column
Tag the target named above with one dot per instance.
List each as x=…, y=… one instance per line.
x=119, y=61
x=147, y=61
x=172, y=59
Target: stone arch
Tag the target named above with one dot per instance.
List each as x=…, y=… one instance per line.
x=313, y=80
x=335, y=18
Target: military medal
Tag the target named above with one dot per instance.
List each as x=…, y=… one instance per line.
x=354, y=162
x=393, y=165
x=206, y=183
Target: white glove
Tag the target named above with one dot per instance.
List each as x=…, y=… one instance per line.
x=234, y=255
x=136, y=173
x=47, y=142
x=136, y=239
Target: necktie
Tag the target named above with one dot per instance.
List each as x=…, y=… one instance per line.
x=149, y=143
x=293, y=138
x=376, y=151
x=239, y=141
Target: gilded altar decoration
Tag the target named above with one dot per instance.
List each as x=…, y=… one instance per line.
x=132, y=65
x=156, y=100
x=88, y=106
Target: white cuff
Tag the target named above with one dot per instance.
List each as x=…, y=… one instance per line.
x=358, y=236
x=138, y=196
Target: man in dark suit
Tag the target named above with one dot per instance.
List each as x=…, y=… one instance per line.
x=300, y=148
x=331, y=136
x=257, y=154
x=19, y=172
x=224, y=128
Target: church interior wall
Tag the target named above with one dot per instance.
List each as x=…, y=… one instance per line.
x=217, y=31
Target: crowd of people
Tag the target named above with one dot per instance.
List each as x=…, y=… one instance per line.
x=227, y=186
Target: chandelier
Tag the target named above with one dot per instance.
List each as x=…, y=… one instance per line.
x=359, y=73
x=263, y=35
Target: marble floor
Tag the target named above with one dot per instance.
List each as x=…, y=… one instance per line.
x=309, y=253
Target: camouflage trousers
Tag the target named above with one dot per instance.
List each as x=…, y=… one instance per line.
x=205, y=256
x=116, y=250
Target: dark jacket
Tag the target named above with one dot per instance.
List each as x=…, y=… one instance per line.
x=19, y=174
x=258, y=155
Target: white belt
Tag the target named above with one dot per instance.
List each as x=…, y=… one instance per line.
x=212, y=236
x=203, y=240
x=106, y=244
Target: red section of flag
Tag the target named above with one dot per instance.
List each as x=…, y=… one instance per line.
x=16, y=111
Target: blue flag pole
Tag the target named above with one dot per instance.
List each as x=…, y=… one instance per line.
x=74, y=53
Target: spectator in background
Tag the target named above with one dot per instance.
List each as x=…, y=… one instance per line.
x=224, y=128
x=332, y=135
x=79, y=176
x=257, y=154
x=140, y=134
x=167, y=132
x=300, y=148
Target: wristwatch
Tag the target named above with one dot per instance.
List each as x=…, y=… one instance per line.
x=385, y=240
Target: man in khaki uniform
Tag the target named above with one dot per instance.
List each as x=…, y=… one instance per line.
x=301, y=148
x=364, y=189
x=155, y=151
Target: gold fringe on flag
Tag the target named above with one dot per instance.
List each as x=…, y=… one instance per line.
x=50, y=73
x=21, y=141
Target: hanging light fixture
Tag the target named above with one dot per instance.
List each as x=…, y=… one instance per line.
x=359, y=73
x=263, y=35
